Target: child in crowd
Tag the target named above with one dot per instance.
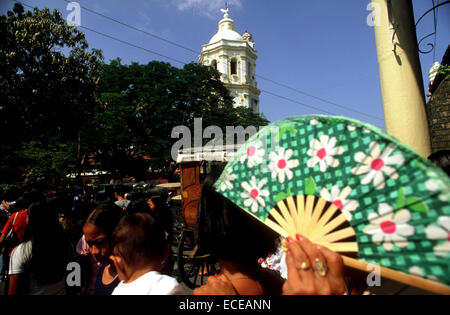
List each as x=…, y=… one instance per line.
x=139, y=247
x=97, y=231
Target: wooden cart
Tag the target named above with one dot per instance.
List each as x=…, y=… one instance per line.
x=194, y=267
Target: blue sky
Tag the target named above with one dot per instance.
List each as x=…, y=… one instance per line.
x=321, y=48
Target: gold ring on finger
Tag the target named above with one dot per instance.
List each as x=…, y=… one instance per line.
x=302, y=266
x=320, y=267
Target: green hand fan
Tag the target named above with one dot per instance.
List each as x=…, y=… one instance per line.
x=352, y=188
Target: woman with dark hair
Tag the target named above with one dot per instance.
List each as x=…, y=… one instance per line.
x=441, y=159
x=98, y=230
x=38, y=265
x=237, y=240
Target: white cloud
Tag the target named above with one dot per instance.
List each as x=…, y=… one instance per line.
x=210, y=8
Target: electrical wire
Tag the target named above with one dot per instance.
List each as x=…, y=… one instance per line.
x=198, y=53
x=184, y=63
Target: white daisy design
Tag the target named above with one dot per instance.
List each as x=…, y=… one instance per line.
x=435, y=184
x=376, y=164
x=253, y=155
x=389, y=228
x=253, y=194
x=280, y=164
x=322, y=152
x=441, y=232
x=313, y=122
x=226, y=181
x=339, y=199
x=417, y=271
x=351, y=128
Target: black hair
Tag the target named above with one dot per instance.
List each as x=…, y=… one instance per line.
x=228, y=232
x=30, y=197
x=162, y=212
x=106, y=216
x=138, y=206
x=51, y=248
x=136, y=196
x=61, y=202
x=139, y=239
x=441, y=159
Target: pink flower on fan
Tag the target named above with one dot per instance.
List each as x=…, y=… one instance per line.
x=339, y=199
x=322, y=152
x=377, y=163
x=441, y=232
x=280, y=164
x=254, y=194
x=389, y=228
x=253, y=155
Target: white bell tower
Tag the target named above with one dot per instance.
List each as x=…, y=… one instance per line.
x=234, y=56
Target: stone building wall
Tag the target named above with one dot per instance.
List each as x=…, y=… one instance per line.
x=438, y=110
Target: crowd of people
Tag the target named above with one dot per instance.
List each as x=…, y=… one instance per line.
x=122, y=243
x=44, y=230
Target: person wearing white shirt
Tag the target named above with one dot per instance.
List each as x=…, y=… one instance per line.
x=139, y=248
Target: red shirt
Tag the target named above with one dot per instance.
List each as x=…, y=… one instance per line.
x=19, y=225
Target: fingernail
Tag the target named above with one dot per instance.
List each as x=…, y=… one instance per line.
x=288, y=239
x=299, y=237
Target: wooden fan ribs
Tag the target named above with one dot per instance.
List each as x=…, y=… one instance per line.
x=315, y=218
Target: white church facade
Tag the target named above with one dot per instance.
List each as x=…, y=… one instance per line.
x=234, y=56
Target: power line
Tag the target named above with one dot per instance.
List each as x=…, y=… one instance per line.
x=136, y=29
x=198, y=53
x=267, y=92
x=306, y=105
x=318, y=98
x=184, y=63
x=133, y=45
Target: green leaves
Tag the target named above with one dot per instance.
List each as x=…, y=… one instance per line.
x=310, y=186
x=412, y=203
x=283, y=195
x=47, y=97
x=286, y=128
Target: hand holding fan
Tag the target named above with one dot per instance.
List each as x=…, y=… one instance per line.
x=350, y=187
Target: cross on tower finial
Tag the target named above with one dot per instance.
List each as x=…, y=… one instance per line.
x=226, y=11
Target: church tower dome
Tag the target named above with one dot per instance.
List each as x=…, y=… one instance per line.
x=226, y=30
x=234, y=56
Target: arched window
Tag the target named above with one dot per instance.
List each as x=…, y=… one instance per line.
x=233, y=65
x=214, y=64
x=249, y=70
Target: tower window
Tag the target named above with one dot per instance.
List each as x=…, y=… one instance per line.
x=233, y=65
x=214, y=64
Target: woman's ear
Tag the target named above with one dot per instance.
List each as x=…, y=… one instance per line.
x=120, y=266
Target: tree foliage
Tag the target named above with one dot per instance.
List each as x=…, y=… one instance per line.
x=61, y=107
x=143, y=103
x=47, y=92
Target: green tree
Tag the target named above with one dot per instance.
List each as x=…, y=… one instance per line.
x=47, y=93
x=143, y=103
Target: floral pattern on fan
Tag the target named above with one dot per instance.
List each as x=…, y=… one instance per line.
x=377, y=163
x=389, y=228
x=392, y=198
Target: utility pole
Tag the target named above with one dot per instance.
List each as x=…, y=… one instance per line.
x=400, y=74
